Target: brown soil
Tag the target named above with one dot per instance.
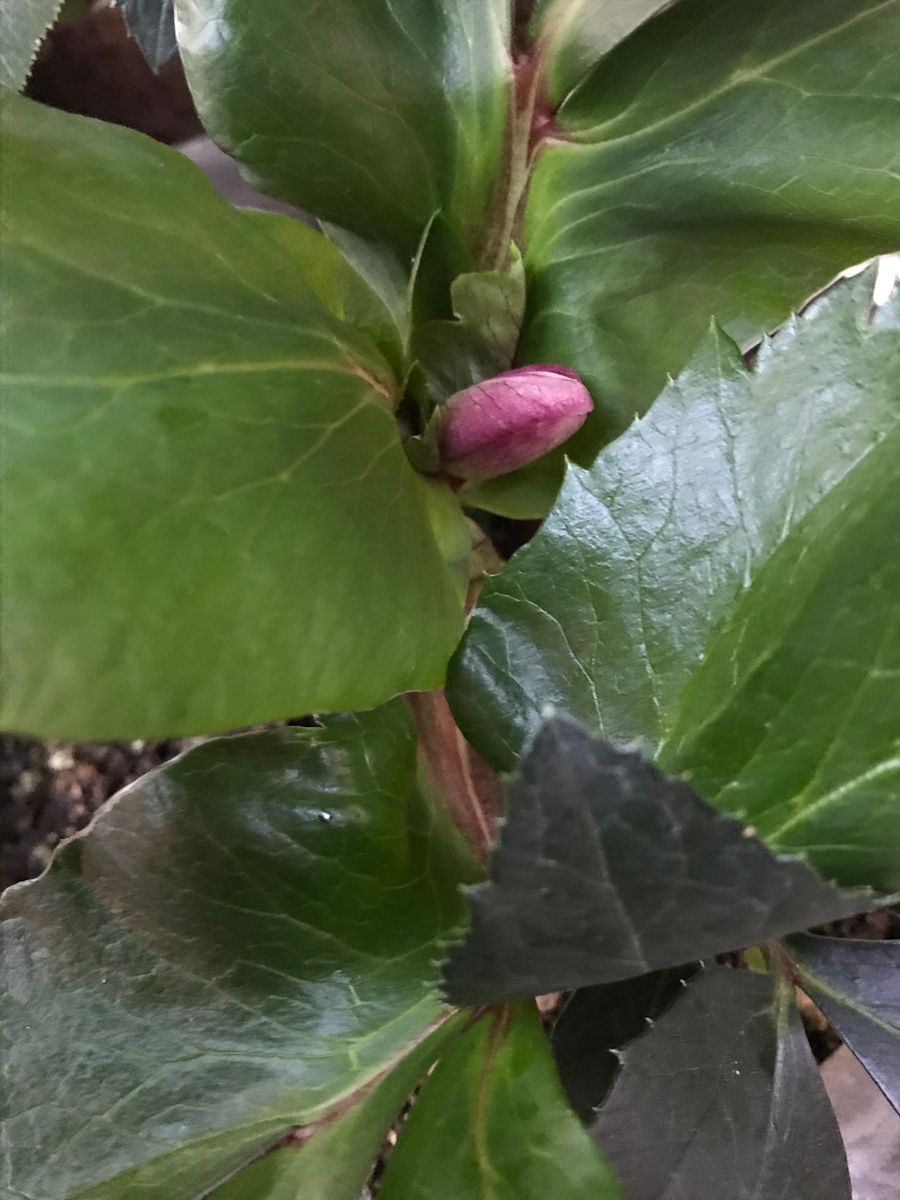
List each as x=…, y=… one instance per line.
x=91, y=66
x=48, y=791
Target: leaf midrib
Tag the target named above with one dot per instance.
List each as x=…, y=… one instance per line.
x=857, y=1007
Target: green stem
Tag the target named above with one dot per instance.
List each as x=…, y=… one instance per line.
x=522, y=138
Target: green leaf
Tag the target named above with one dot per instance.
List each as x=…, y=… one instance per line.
x=348, y=286
x=575, y=34
x=526, y=494
x=23, y=24
x=724, y=586
x=334, y=1162
x=606, y=869
x=856, y=984
x=369, y=113
x=597, y=1021
x=152, y=25
x=727, y=159
x=730, y=1101
x=210, y=520
x=488, y=307
x=385, y=275
x=491, y=1123
x=242, y=941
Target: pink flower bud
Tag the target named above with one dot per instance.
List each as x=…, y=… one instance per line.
x=505, y=422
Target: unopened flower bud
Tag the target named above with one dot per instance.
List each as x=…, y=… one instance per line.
x=503, y=423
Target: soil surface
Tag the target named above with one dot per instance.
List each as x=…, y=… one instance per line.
x=48, y=791
x=91, y=66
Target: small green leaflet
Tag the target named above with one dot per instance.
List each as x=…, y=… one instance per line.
x=480, y=340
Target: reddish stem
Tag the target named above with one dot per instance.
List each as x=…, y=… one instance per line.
x=456, y=771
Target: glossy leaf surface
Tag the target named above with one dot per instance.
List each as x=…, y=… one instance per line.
x=856, y=984
x=575, y=34
x=210, y=520
x=334, y=1161
x=606, y=869
x=491, y=1123
x=243, y=940
x=730, y=1101
x=724, y=587
x=23, y=24
x=726, y=160
x=369, y=113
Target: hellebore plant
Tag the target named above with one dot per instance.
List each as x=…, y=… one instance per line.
x=250, y=470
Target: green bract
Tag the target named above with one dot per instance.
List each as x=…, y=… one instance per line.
x=668, y=732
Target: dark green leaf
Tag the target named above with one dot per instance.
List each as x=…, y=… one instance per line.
x=575, y=34
x=856, y=984
x=727, y=159
x=724, y=586
x=526, y=494
x=369, y=113
x=606, y=869
x=723, y=1099
x=243, y=940
x=210, y=520
x=597, y=1021
x=23, y=24
x=491, y=1123
x=334, y=1162
x=152, y=25
x=350, y=286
